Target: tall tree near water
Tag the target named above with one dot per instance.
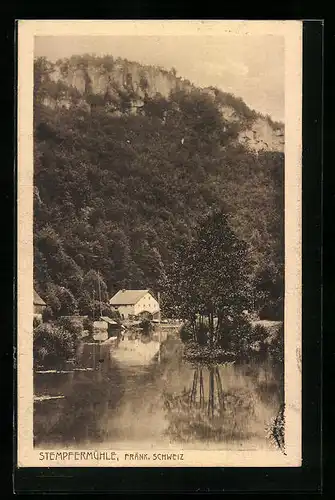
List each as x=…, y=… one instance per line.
x=208, y=283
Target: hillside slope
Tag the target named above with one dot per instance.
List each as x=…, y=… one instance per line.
x=126, y=160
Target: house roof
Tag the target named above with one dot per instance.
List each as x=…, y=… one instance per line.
x=37, y=300
x=127, y=297
x=108, y=320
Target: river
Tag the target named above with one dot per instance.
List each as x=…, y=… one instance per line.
x=164, y=403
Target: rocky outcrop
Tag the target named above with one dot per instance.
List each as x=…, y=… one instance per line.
x=263, y=136
x=93, y=81
x=127, y=76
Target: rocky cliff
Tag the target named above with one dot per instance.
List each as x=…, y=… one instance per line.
x=263, y=136
x=100, y=78
x=123, y=87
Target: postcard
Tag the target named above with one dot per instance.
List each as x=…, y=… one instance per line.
x=159, y=243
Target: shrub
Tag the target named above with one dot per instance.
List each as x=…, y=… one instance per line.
x=273, y=311
x=259, y=333
x=146, y=326
x=156, y=106
x=107, y=62
x=259, y=345
x=116, y=316
x=186, y=333
x=276, y=346
x=108, y=311
x=37, y=320
x=72, y=325
x=47, y=314
x=52, y=345
x=259, y=337
x=202, y=334
x=88, y=325
x=236, y=336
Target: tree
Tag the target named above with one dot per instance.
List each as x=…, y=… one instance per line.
x=60, y=300
x=67, y=301
x=53, y=300
x=42, y=68
x=93, y=284
x=208, y=283
x=149, y=261
x=269, y=286
x=156, y=106
x=93, y=296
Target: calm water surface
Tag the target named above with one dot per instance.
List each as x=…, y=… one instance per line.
x=134, y=402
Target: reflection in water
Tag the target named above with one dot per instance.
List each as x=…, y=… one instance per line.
x=162, y=403
x=198, y=387
x=221, y=405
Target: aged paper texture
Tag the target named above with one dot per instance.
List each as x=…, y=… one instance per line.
x=159, y=243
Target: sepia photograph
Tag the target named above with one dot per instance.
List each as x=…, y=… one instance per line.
x=158, y=272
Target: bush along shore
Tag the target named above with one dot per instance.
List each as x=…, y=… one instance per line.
x=56, y=343
x=263, y=341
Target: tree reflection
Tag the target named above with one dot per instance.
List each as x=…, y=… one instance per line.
x=198, y=398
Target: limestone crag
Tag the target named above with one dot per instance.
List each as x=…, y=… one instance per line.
x=263, y=136
x=141, y=80
x=85, y=82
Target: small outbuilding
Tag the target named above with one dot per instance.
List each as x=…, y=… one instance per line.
x=39, y=304
x=113, y=327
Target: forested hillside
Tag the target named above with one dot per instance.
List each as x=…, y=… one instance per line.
x=121, y=176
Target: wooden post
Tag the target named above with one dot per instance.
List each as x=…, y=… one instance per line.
x=94, y=363
x=202, y=401
x=100, y=362
x=194, y=387
x=211, y=393
x=219, y=389
x=99, y=294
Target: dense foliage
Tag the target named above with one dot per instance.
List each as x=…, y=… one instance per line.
x=115, y=194
x=54, y=344
x=209, y=285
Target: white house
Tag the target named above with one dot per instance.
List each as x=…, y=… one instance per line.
x=132, y=303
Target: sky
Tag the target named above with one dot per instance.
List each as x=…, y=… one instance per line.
x=249, y=66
